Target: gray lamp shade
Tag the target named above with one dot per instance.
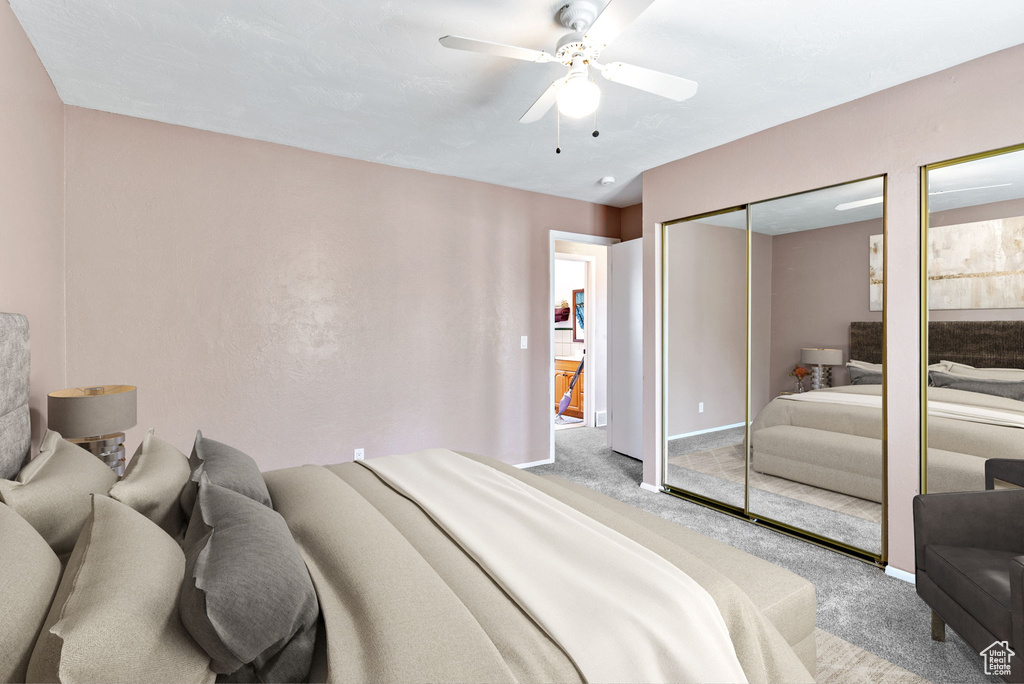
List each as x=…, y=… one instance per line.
x=91, y=411
x=821, y=357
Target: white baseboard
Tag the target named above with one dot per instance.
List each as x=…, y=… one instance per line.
x=900, y=574
x=650, y=487
x=546, y=461
x=704, y=432
x=600, y=418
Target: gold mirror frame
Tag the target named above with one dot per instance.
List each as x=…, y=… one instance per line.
x=923, y=371
x=878, y=559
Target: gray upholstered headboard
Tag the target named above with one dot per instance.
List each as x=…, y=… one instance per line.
x=983, y=344
x=15, y=427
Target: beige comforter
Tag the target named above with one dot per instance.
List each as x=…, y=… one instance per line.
x=402, y=602
x=964, y=428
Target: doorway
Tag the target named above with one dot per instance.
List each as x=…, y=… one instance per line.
x=578, y=345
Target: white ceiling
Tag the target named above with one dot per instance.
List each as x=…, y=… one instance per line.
x=370, y=81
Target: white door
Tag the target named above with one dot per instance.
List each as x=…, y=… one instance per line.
x=625, y=347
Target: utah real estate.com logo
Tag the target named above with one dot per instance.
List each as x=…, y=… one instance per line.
x=997, y=659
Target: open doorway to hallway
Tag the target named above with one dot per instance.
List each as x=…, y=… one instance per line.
x=576, y=302
x=579, y=332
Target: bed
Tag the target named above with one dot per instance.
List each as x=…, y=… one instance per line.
x=832, y=438
x=434, y=566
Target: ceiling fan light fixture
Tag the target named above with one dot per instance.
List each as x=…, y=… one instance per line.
x=578, y=97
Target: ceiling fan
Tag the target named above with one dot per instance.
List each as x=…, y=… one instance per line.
x=576, y=93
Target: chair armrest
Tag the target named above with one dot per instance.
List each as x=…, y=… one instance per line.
x=1017, y=601
x=1006, y=469
x=990, y=520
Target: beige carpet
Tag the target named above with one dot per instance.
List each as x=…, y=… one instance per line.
x=727, y=463
x=840, y=662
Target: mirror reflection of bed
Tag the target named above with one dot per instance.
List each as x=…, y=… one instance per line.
x=815, y=293
x=975, y=297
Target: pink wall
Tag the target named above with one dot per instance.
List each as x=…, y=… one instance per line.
x=972, y=107
x=32, y=208
x=632, y=222
x=299, y=305
x=707, y=354
x=819, y=286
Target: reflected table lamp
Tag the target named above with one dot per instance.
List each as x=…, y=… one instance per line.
x=95, y=419
x=822, y=361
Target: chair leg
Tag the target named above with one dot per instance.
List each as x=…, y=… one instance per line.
x=938, y=627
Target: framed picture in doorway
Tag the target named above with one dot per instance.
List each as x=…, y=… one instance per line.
x=577, y=315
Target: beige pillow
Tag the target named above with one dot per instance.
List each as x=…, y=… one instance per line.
x=29, y=573
x=52, y=491
x=115, y=615
x=871, y=367
x=153, y=482
x=963, y=369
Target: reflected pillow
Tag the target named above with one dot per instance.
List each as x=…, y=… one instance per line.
x=52, y=491
x=864, y=365
x=953, y=368
x=227, y=467
x=115, y=615
x=1009, y=389
x=153, y=482
x=862, y=376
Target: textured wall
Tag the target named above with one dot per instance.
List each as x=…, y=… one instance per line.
x=632, y=222
x=299, y=305
x=969, y=108
x=32, y=208
x=819, y=285
x=707, y=319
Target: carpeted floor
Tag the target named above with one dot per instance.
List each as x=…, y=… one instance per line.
x=713, y=464
x=857, y=603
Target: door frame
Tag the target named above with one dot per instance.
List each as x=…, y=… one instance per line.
x=588, y=379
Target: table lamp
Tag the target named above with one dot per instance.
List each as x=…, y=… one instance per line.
x=822, y=361
x=94, y=418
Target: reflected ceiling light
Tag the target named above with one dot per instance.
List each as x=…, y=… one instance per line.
x=579, y=96
x=859, y=203
x=980, y=187
x=878, y=200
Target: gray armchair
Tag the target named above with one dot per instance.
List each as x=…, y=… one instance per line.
x=969, y=553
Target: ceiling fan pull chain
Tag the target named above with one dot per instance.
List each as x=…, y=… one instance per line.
x=596, y=132
x=558, y=132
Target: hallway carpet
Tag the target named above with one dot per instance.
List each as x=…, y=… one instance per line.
x=856, y=602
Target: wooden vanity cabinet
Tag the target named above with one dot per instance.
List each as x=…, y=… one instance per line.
x=563, y=377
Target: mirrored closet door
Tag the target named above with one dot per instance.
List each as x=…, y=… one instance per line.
x=773, y=375
x=705, y=361
x=816, y=450
x=973, y=226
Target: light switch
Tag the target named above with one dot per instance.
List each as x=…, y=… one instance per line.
x=522, y=342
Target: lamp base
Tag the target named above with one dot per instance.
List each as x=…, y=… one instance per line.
x=821, y=377
x=108, y=448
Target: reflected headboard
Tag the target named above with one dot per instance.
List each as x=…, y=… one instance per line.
x=984, y=344
x=866, y=341
x=15, y=426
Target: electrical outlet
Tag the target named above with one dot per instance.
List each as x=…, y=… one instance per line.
x=359, y=455
x=700, y=407
x=522, y=342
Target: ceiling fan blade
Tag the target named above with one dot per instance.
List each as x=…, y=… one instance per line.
x=672, y=87
x=616, y=16
x=543, y=103
x=496, y=49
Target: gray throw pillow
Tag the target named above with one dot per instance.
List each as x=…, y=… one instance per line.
x=225, y=466
x=861, y=376
x=998, y=388
x=247, y=597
